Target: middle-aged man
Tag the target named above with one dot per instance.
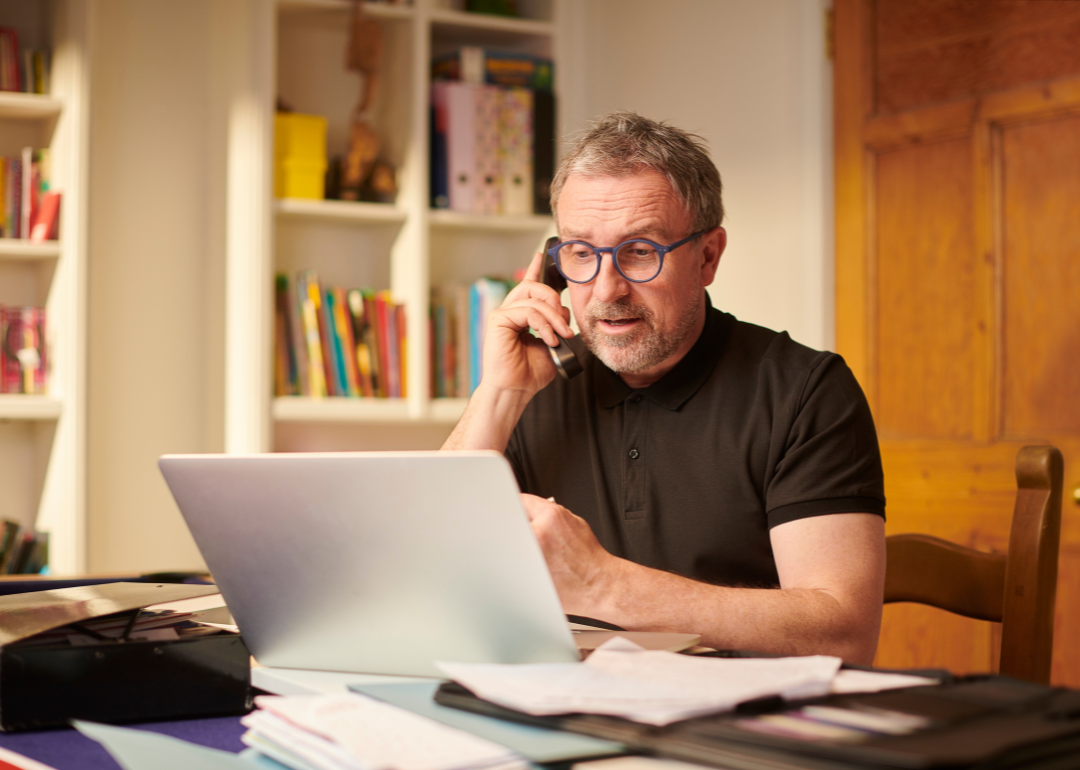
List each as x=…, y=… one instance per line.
x=703, y=474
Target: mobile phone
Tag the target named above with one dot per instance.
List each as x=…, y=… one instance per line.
x=566, y=361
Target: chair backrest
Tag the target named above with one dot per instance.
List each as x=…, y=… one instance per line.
x=1018, y=588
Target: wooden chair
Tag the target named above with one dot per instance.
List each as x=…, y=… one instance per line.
x=1017, y=589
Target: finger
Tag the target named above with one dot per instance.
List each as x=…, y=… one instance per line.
x=533, y=271
x=529, y=502
x=536, y=314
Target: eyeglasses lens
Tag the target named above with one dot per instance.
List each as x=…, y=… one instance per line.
x=578, y=262
x=638, y=260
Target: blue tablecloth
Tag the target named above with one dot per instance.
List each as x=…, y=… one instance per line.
x=71, y=750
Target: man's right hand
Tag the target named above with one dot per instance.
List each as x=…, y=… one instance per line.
x=515, y=360
x=516, y=365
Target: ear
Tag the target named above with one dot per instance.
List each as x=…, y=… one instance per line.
x=713, y=244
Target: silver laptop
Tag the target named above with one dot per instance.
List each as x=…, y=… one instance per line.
x=376, y=562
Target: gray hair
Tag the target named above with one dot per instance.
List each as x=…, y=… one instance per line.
x=624, y=143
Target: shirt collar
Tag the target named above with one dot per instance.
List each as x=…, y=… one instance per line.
x=677, y=386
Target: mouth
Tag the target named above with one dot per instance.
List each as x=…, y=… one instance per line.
x=618, y=324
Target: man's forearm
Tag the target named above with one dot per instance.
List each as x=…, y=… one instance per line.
x=795, y=621
x=489, y=420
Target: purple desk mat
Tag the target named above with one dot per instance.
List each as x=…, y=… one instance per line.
x=70, y=750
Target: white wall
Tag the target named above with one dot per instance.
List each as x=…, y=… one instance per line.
x=155, y=274
x=751, y=77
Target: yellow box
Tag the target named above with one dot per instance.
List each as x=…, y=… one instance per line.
x=300, y=136
x=299, y=178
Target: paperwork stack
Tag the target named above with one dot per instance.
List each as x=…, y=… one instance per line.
x=972, y=722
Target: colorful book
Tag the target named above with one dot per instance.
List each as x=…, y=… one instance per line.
x=343, y=326
x=309, y=300
x=487, y=152
x=46, y=219
x=516, y=150
x=472, y=64
x=440, y=173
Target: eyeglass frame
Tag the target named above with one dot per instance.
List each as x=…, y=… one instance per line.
x=553, y=252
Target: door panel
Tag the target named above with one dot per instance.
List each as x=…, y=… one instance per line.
x=957, y=128
x=1041, y=202
x=925, y=290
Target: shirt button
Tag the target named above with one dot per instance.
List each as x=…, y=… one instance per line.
x=634, y=454
x=635, y=398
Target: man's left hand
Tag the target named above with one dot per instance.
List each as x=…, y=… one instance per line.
x=579, y=565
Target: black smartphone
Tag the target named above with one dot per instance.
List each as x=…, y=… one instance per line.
x=566, y=361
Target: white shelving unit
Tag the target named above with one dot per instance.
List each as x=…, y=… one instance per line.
x=296, y=52
x=42, y=437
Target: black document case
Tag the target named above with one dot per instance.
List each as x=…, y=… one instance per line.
x=975, y=722
x=118, y=680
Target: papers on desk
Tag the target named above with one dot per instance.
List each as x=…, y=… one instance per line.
x=653, y=687
x=354, y=732
x=650, y=686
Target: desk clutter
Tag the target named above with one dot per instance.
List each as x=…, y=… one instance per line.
x=813, y=721
x=96, y=652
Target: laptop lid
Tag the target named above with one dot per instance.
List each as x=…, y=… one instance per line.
x=376, y=562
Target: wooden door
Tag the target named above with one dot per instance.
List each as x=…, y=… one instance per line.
x=958, y=277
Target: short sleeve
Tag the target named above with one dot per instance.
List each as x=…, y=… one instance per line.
x=831, y=461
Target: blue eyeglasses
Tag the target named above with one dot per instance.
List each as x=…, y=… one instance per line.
x=639, y=260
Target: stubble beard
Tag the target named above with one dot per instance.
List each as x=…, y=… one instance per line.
x=641, y=349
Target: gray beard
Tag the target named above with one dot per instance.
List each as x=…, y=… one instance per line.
x=644, y=348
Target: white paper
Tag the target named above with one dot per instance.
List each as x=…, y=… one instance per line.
x=349, y=731
x=852, y=680
x=650, y=686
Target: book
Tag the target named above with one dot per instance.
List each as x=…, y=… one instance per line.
x=8, y=537
x=362, y=333
x=44, y=227
x=487, y=152
x=440, y=173
x=461, y=162
x=309, y=302
x=343, y=329
x=363, y=352
x=473, y=64
x=23, y=359
x=332, y=345
x=516, y=150
x=543, y=130
x=285, y=375
x=10, y=70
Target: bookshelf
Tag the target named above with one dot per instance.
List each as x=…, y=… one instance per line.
x=295, y=51
x=42, y=437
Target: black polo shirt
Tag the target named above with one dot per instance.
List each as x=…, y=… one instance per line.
x=748, y=431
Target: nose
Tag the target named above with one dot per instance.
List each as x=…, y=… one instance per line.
x=609, y=285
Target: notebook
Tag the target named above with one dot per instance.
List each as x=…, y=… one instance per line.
x=373, y=562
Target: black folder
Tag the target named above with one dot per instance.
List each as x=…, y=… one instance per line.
x=119, y=679
x=984, y=722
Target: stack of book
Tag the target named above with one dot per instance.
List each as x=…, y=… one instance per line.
x=27, y=70
x=29, y=208
x=458, y=320
x=492, y=132
x=22, y=350
x=22, y=551
x=337, y=342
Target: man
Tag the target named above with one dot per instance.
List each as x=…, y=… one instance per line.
x=702, y=475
